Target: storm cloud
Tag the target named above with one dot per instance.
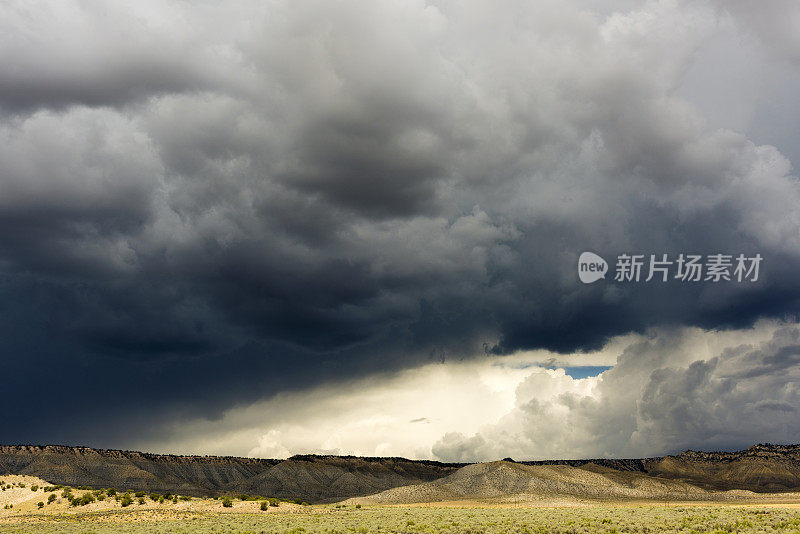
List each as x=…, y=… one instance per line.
x=671, y=391
x=203, y=206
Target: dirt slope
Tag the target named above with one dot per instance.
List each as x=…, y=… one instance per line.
x=499, y=480
x=331, y=478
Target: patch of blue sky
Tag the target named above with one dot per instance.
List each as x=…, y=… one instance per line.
x=585, y=371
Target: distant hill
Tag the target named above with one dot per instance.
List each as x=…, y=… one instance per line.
x=309, y=477
x=509, y=482
x=688, y=476
x=761, y=468
x=318, y=479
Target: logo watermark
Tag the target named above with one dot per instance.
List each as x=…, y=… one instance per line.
x=663, y=268
x=591, y=267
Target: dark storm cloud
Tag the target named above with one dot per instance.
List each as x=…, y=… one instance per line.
x=203, y=206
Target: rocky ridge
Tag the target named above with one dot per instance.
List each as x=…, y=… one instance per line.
x=762, y=468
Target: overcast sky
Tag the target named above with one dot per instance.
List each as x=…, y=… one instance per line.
x=268, y=228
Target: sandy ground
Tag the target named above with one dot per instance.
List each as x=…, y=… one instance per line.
x=781, y=501
x=26, y=511
x=25, y=501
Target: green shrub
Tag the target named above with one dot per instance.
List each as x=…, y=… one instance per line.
x=274, y=502
x=126, y=500
x=141, y=500
x=226, y=502
x=34, y=488
x=255, y=498
x=154, y=497
x=40, y=505
x=51, y=498
x=111, y=492
x=358, y=506
x=264, y=505
x=139, y=494
x=243, y=497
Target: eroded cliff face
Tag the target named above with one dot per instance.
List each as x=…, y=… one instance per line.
x=316, y=479
x=762, y=451
x=77, y=466
x=761, y=468
x=309, y=478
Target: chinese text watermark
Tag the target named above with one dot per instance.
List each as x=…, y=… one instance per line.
x=663, y=267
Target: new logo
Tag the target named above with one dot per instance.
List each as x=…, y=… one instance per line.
x=591, y=267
